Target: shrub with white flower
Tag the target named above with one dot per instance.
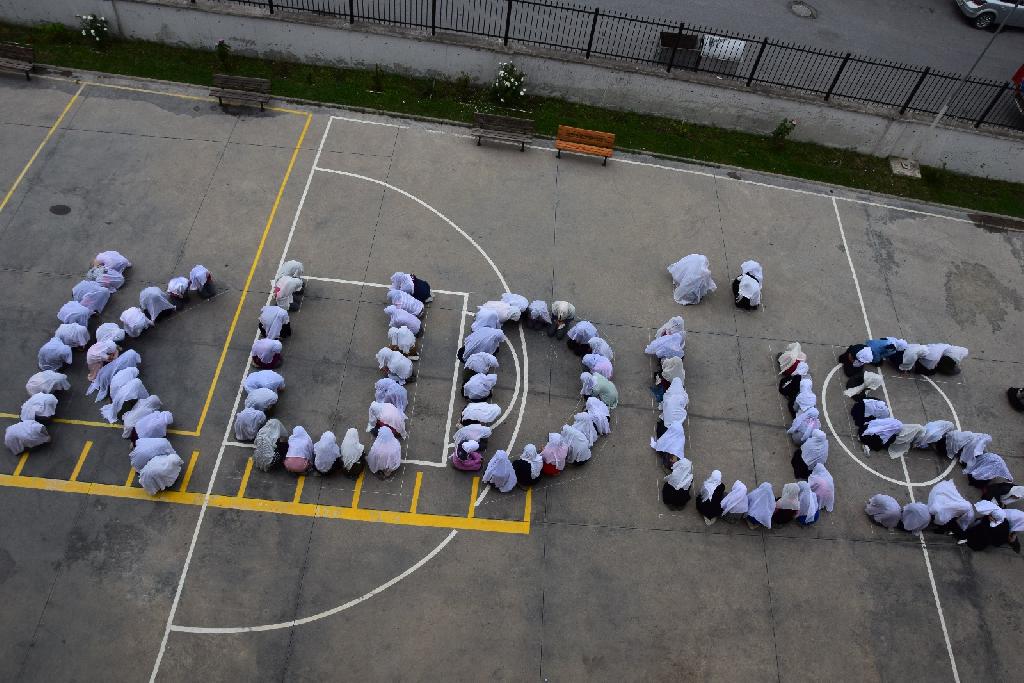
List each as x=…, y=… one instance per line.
x=510, y=84
x=94, y=28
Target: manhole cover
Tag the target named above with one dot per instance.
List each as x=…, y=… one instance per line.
x=802, y=9
x=60, y=209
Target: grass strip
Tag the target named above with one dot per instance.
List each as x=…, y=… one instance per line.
x=457, y=99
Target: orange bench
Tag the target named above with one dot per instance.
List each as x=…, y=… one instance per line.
x=582, y=141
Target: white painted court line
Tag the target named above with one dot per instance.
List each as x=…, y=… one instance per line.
x=903, y=461
x=455, y=382
x=227, y=431
x=375, y=284
x=372, y=123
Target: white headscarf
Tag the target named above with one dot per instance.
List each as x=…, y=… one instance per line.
x=111, y=331
x=735, y=501
x=398, y=366
x=262, y=398
x=806, y=398
x=178, y=286
x=955, y=353
x=908, y=434
x=142, y=408
x=911, y=355
x=154, y=424
x=400, y=318
x=504, y=311
x=263, y=379
x=824, y=486
x=814, y=451
x=692, y=277
x=864, y=356
x=326, y=452
x=198, y=277
x=485, y=339
x=402, y=281
x=584, y=422
x=790, y=355
x=579, y=446
x=969, y=444
x=134, y=321
x=517, y=301
x=47, y=382
x=809, y=505
x=884, y=428
x=531, y=456
x=672, y=368
x=351, y=449
x=600, y=413
x=387, y=414
x=582, y=331
x=471, y=432
x=121, y=378
x=989, y=466
x=73, y=334
x=481, y=362
x=601, y=347
x=160, y=472
x=153, y=301
x=479, y=386
x=672, y=441
x=876, y=408
x=291, y=269
x=707, y=489
x=751, y=281
x=884, y=510
x=986, y=508
x=872, y=381
x=92, y=295
x=484, y=413
x=114, y=260
x=39, y=405
x=266, y=348
x=300, y=444
x=387, y=390
x=147, y=449
x=273, y=319
x=132, y=390
x=555, y=452
x=385, y=454
x=1016, y=519
x=248, y=423
x=108, y=277
x=681, y=476
x=671, y=326
x=598, y=364
x=402, y=337
x=485, y=317
x=805, y=422
x=916, y=517
x=761, y=504
x=674, y=403
x=539, y=310
x=790, y=498
x=21, y=436
x=500, y=473
x=946, y=504
x=666, y=346
x=53, y=355
x=74, y=312
x=563, y=310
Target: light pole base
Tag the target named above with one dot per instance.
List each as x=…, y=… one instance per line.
x=907, y=168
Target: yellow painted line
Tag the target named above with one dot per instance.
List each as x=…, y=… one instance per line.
x=271, y=506
x=188, y=471
x=359, y=488
x=89, y=423
x=245, y=478
x=49, y=134
x=529, y=505
x=81, y=461
x=472, y=497
x=131, y=478
x=252, y=272
x=416, y=492
x=298, y=489
x=21, y=464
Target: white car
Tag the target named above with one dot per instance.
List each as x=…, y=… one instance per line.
x=986, y=14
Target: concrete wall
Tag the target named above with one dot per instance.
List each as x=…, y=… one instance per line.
x=691, y=97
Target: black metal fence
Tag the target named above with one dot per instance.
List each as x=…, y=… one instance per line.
x=740, y=57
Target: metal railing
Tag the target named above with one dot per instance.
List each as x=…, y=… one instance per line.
x=744, y=58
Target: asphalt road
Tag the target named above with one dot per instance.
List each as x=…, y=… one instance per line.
x=921, y=32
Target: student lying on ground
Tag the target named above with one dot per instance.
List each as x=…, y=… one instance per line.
x=691, y=277
x=747, y=287
x=673, y=406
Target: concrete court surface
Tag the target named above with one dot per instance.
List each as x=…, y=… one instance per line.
x=601, y=581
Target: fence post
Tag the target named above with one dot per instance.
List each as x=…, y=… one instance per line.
x=508, y=21
x=757, y=62
x=675, y=46
x=270, y=4
x=917, y=86
x=838, y=74
x=991, y=105
x=433, y=17
x=593, y=27
x=351, y=12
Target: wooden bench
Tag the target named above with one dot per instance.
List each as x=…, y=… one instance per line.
x=240, y=89
x=15, y=58
x=582, y=141
x=502, y=128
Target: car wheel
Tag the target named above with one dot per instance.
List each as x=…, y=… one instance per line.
x=984, y=20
